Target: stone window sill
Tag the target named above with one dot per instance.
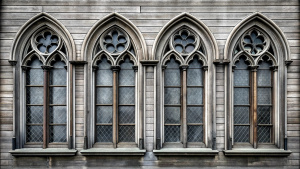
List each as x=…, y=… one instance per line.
x=43, y=152
x=257, y=152
x=112, y=151
x=186, y=151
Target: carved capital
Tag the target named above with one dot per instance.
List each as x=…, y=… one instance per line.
x=95, y=68
x=12, y=62
x=46, y=68
x=115, y=68
x=135, y=68
x=163, y=67
x=25, y=68
x=253, y=68
x=184, y=67
x=288, y=62
x=221, y=61
x=274, y=68
x=205, y=68
x=233, y=68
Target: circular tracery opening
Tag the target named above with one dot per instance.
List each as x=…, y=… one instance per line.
x=47, y=42
x=254, y=42
x=115, y=41
x=184, y=42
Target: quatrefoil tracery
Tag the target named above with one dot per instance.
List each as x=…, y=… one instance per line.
x=254, y=43
x=184, y=42
x=115, y=42
x=46, y=42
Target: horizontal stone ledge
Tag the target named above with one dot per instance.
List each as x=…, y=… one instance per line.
x=43, y=152
x=257, y=152
x=112, y=151
x=149, y=62
x=186, y=151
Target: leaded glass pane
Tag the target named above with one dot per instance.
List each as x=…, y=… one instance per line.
x=264, y=65
x=241, y=96
x=172, y=77
x=241, y=133
x=241, y=64
x=35, y=76
x=194, y=96
x=172, y=64
x=126, y=95
x=126, y=64
x=104, y=77
x=264, y=95
x=104, y=64
x=58, y=95
x=194, y=77
x=194, y=114
x=264, y=77
x=241, y=115
x=172, y=115
x=59, y=64
x=126, y=77
x=34, y=114
x=264, y=114
x=104, y=95
x=34, y=134
x=195, y=64
x=194, y=133
x=58, y=76
x=264, y=134
x=104, y=134
x=241, y=77
x=126, y=114
x=126, y=133
x=35, y=63
x=58, y=133
x=34, y=95
x=172, y=95
x=58, y=114
x=172, y=134
x=104, y=114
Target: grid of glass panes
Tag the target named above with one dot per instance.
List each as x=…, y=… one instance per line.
x=104, y=101
x=126, y=106
x=172, y=102
x=241, y=102
x=34, y=101
x=264, y=102
x=58, y=103
x=195, y=101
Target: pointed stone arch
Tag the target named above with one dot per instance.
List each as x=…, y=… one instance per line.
x=35, y=23
x=114, y=19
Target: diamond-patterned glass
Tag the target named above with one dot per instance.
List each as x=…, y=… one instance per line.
x=264, y=65
x=35, y=63
x=58, y=114
x=264, y=78
x=34, y=114
x=104, y=114
x=194, y=77
x=172, y=77
x=195, y=63
x=172, y=134
x=126, y=77
x=241, y=77
x=194, y=114
x=126, y=95
x=264, y=115
x=58, y=133
x=59, y=64
x=126, y=133
x=264, y=96
x=172, y=115
x=126, y=114
x=35, y=76
x=126, y=64
x=104, y=134
x=172, y=63
x=194, y=133
x=58, y=95
x=58, y=76
x=104, y=77
x=241, y=115
x=104, y=95
x=241, y=64
x=34, y=134
x=172, y=95
x=34, y=95
x=241, y=96
x=104, y=64
x=264, y=134
x=194, y=96
x=241, y=133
